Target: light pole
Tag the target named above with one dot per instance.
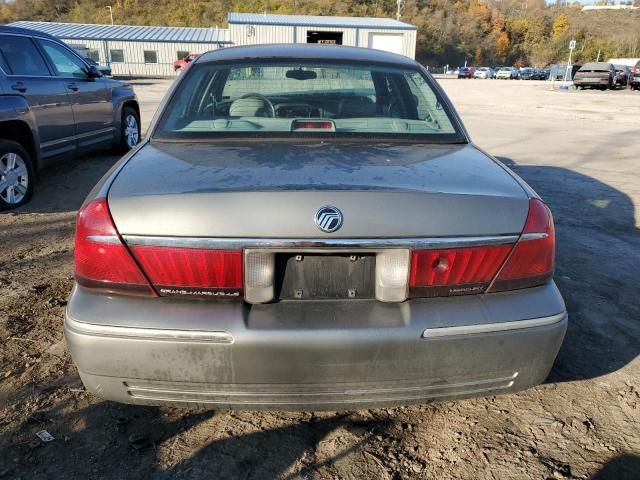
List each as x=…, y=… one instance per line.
x=110, y=8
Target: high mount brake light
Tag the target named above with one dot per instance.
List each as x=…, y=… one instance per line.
x=101, y=260
x=313, y=125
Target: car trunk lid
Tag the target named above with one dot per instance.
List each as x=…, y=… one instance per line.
x=273, y=190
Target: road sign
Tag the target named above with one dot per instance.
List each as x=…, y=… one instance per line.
x=572, y=45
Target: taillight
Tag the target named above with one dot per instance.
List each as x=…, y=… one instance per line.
x=532, y=260
x=491, y=268
x=455, y=271
x=192, y=271
x=101, y=260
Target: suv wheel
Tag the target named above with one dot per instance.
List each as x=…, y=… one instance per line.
x=129, y=129
x=16, y=175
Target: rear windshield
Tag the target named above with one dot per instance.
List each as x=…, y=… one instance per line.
x=288, y=99
x=594, y=67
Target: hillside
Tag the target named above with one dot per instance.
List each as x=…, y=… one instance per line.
x=449, y=31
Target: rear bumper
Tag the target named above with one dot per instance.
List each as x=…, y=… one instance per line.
x=590, y=82
x=313, y=356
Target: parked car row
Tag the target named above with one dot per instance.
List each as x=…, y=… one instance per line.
x=502, y=73
x=601, y=75
x=54, y=104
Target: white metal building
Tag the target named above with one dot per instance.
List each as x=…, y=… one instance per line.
x=629, y=62
x=379, y=33
x=131, y=50
x=136, y=51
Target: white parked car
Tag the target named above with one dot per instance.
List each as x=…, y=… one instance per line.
x=508, y=73
x=484, y=72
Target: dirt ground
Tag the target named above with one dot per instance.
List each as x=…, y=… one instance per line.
x=579, y=150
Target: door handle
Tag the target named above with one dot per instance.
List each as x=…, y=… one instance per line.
x=73, y=86
x=20, y=87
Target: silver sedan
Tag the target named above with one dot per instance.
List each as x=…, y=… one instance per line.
x=310, y=227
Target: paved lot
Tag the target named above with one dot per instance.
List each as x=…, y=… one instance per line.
x=579, y=150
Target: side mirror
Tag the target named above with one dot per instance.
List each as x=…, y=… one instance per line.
x=93, y=72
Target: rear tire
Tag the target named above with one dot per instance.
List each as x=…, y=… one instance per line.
x=16, y=175
x=129, y=130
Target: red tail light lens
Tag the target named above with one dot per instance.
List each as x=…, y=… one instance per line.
x=313, y=125
x=532, y=261
x=455, y=271
x=192, y=271
x=463, y=271
x=101, y=260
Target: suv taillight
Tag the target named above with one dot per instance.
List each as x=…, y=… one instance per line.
x=492, y=268
x=532, y=260
x=101, y=260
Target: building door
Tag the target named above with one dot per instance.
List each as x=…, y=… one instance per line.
x=328, y=38
x=387, y=42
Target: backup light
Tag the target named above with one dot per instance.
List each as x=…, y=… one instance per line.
x=392, y=273
x=259, y=276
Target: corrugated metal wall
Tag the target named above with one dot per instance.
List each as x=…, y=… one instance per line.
x=134, y=64
x=244, y=34
x=241, y=34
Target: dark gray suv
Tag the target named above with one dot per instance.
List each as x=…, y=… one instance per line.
x=53, y=105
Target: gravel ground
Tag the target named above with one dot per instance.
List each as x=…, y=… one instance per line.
x=579, y=150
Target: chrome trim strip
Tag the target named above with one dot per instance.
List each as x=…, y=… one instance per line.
x=533, y=236
x=152, y=387
x=58, y=141
x=351, y=400
x=110, y=239
x=288, y=243
x=77, y=137
x=136, y=333
x=493, y=327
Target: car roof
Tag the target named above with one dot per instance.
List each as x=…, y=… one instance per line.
x=26, y=31
x=289, y=51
